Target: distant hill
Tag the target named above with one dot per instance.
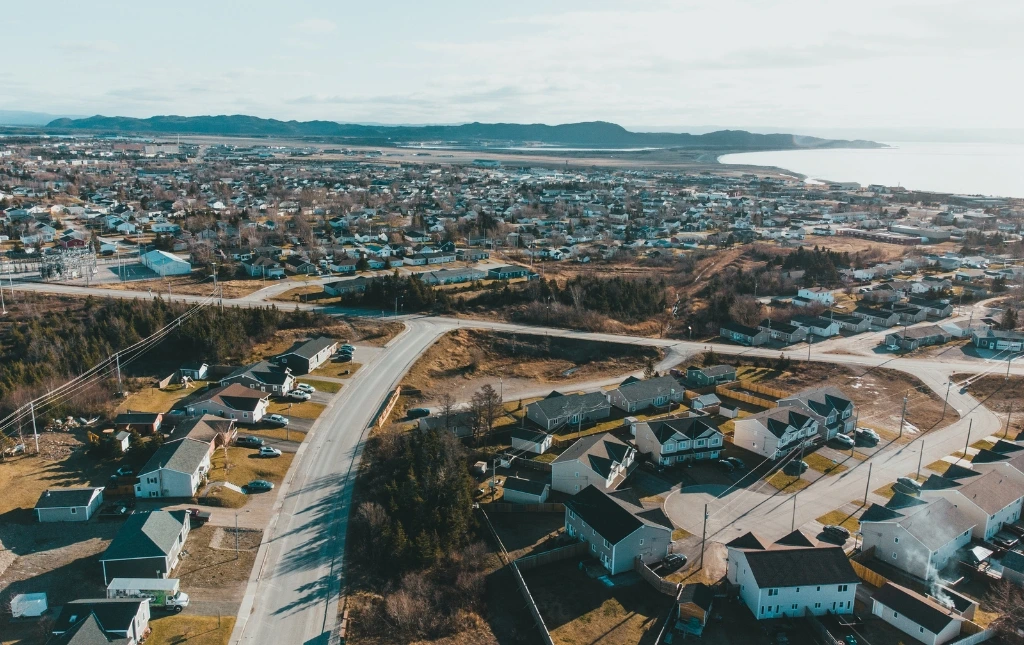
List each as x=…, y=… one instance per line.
x=589, y=134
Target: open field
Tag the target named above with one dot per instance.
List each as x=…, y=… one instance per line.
x=190, y=629
x=463, y=360
x=337, y=370
x=841, y=517
x=786, y=483
x=151, y=399
x=243, y=465
x=823, y=464
x=1001, y=395
x=299, y=409
x=188, y=285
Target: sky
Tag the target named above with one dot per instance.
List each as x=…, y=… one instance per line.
x=796, y=64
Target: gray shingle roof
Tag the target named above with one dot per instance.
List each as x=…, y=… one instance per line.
x=147, y=534
x=86, y=631
x=182, y=455
x=311, y=348
x=565, y=405
x=524, y=485
x=650, y=388
x=600, y=452
x=922, y=611
x=66, y=497
x=112, y=614
x=690, y=427
x=613, y=517
x=793, y=567
x=935, y=524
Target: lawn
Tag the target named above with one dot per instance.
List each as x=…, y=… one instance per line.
x=282, y=434
x=330, y=387
x=151, y=399
x=301, y=410
x=243, y=466
x=823, y=464
x=983, y=444
x=786, y=483
x=337, y=370
x=680, y=534
x=840, y=517
x=940, y=466
x=191, y=629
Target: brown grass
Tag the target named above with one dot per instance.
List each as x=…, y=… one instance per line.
x=840, y=517
x=299, y=409
x=188, y=285
x=337, y=370
x=190, y=629
x=787, y=483
x=940, y=466
x=151, y=399
x=243, y=465
x=329, y=387
x=823, y=464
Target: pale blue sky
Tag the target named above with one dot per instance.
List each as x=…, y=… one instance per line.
x=789, y=63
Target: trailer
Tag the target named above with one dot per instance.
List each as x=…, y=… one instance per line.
x=163, y=593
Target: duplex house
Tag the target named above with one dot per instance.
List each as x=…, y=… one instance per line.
x=791, y=577
x=617, y=527
x=234, y=401
x=816, y=325
x=309, y=355
x=600, y=460
x=877, y=317
x=990, y=500
x=919, y=617
x=89, y=621
x=935, y=308
x=783, y=332
x=750, y=336
x=697, y=377
x=263, y=376
x=175, y=470
x=557, y=409
x=148, y=545
x=915, y=535
x=854, y=324
x=775, y=432
x=635, y=395
x=675, y=441
x=912, y=338
x=68, y=504
x=835, y=409
x=998, y=339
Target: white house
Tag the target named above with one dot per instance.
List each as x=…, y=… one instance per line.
x=176, y=469
x=791, y=577
x=990, y=500
x=599, y=460
x=775, y=432
x=921, y=618
x=820, y=295
x=235, y=401
x=675, y=441
x=914, y=535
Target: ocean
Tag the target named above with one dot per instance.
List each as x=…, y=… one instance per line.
x=959, y=168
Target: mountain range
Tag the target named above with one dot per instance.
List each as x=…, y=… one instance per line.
x=587, y=134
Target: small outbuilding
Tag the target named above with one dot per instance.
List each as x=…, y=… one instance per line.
x=68, y=504
x=525, y=491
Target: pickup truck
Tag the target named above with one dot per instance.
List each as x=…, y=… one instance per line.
x=198, y=517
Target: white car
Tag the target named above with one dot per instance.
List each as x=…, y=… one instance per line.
x=845, y=440
x=277, y=419
x=298, y=395
x=267, y=451
x=305, y=387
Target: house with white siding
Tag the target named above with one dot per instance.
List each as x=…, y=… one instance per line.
x=600, y=460
x=917, y=616
x=675, y=441
x=775, y=432
x=176, y=469
x=991, y=499
x=915, y=535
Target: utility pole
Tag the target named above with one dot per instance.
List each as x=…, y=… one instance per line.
x=867, y=487
x=903, y=415
x=1009, y=358
x=967, y=443
x=3, y=307
x=810, y=339
x=236, y=535
x=792, y=523
x=704, y=536
x=920, y=458
x=946, y=401
x=117, y=361
x=1006, y=433
x=35, y=431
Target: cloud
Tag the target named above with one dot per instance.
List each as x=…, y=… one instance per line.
x=315, y=26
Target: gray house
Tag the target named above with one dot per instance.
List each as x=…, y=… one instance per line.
x=835, y=408
x=557, y=409
x=750, y=336
x=915, y=535
x=599, y=460
x=175, y=470
x=635, y=395
x=675, y=441
x=618, y=528
x=148, y=545
x=308, y=356
x=707, y=376
x=68, y=504
x=91, y=621
x=917, y=616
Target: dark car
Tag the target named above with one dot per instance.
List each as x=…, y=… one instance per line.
x=343, y=358
x=907, y=482
x=116, y=511
x=795, y=468
x=836, y=532
x=737, y=462
x=416, y=413
x=250, y=441
x=726, y=465
x=674, y=561
x=1005, y=540
x=258, y=485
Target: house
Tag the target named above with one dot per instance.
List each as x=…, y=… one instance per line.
x=343, y=287
x=915, y=535
x=91, y=621
x=816, y=325
x=917, y=616
x=635, y=395
x=907, y=315
x=300, y=266
x=309, y=355
x=819, y=295
x=507, y=272
x=526, y=440
x=693, y=608
x=777, y=431
x=194, y=370
x=234, y=401
x=835, y=409
x=600, y=460
x=141, y=422
x=459, y=423
x=451, y=276
x=709, y=403
x=877, y=317
x=742, y=334
x=68, y=504
x=147, y=545
x=990, y=500
x=209, y=429
x=998, y=339
x=263, y=376
x=934, y=308
x=792, y=577
x=912, y=338
x=853, y=324
x=617, y=527
x=784, y=332
x=264, y=267
x=697, y=377
x=175, y=470
x=525, y=491
x=164, y=264
x=675, y=441
x=557, y=409
x=471, y=255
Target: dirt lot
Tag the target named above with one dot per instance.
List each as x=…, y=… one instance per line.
x=211, y=572
x=187, y=284
x=997, y=394
x=462, y=360
x=592, y=612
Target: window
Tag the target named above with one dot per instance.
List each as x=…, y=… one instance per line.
x=773, y=592
x=699, y=443
x=843, y=587
x=577, y=474
x=819, y=589
x=798, y=589
x=817, y=605
x=572, y=515
x=894, y=555
x=607, y=544
x=762, y=611
x=896, y=540
x=670, y=446
x=641, y=541
x=921, y=629
x=74, y=510
x=895, y=615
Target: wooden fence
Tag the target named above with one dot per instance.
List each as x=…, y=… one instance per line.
x=660, y=584
x=742, y=397
x=506, y=507
x=528, y=562
x=873, y=578
x=533, y=464
x=531, y=605
x=974, y=633
x=389, y=407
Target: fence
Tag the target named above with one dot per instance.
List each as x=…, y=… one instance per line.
x=873, y=578
x=528, y=562
x=660, y=585
x=533, y=464
x=505, y=507
x=386, y=412
x=819, y=628
x=723, y=391
x=975, y=633
x=531, y=605
x=161, y=384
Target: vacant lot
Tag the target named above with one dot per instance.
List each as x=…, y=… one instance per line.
x=244, y=465
x=190, y=629
x=195, y=285
x=212, y=571
x=151, y=399
x=997, y=393
x=579, y=610
x=298, y=409
x=462, y=360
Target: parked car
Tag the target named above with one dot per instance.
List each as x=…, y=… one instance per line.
x=1005, y=539
x=258, y=485
x=674, y=561
x=416, y=413
x=115, y=511
x=268, y=451
x=344, y=358
x=849, y=639
x=298, y=395
x=249, y=441
x=907, y=482
x=726, y=465
x=795, y=468
x=736, y=462
x=869, y=434
x=277, y=419
x=198, y=517
x=347, y=348
x=836, y=532
x=845, y=440
x=305, y=387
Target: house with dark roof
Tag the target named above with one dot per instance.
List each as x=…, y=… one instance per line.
x=148, y=545
x=998, y=339
x=527, y=440
x=142, y=422
x=636, y=395
x=876, y=316
x=707, y=376
x=854, y=324
x=750, y=336
x=917, y=616
x=209, y=429
x=791, y=577
x=599, y=460
x=309, y=355
x=525, y=491
x=783, y=332
x=775, y=432
x=835, y=409
x=917, y=536
x=675, y=441
x=617, y=527
x=263, y=376
x=95, y=621
x=991, y=499
x=557, y=409
x=693, y=608
x=68, y=504
x=816, y=325
x=176, y=469
x=234, y=401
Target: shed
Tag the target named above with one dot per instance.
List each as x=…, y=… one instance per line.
x=525, y=491
x=68, y=504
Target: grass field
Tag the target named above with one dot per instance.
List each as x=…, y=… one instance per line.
x=242, y=466
x=337, y=370
x=301, y=410
x=190, y=629
x=824, y=464
x=151, y=399
x=329, y=387
x=840, y=517
x=940, y=466
x=282, y=434
x=786, y=483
